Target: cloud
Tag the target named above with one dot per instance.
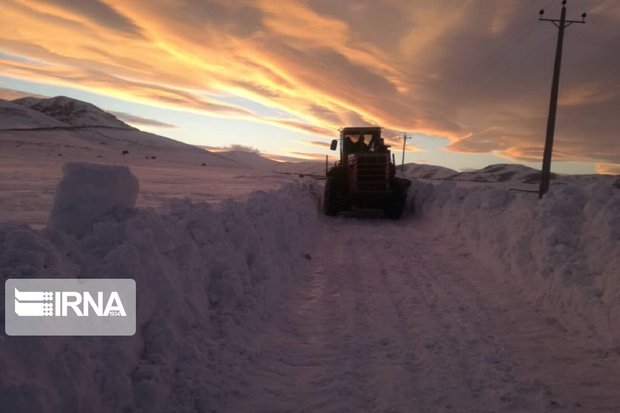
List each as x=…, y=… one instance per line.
x=477, y=74
x=234, y=147
x=608, y=169
x=319, y=144
x=307, y=156
x=306, y=127
x=12, y=94
x=92, y=10
x=282, y=158
x=139, y=120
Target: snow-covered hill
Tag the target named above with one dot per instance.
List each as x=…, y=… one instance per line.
x=72, y=112
x=499, y=173
x=61, y=126
x=413, y=170
x=249, y=160
x=13, y=115
x=509, y=173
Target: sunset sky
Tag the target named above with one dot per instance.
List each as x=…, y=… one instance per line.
x=469, y=79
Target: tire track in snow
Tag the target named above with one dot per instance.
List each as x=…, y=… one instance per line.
x=394, y=319
x=450, y=349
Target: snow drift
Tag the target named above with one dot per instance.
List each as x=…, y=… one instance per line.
x=563, y=252
x=205, y=275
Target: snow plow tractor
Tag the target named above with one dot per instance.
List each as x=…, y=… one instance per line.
x=365, y=175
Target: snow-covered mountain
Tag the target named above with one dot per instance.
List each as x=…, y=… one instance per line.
x=73, y=112
x=249, y=159
x=13, y=115
x=424, y=171
x=498, y=173
x=64, y=126
x=503, y=173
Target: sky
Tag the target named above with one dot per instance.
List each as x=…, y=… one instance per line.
x=469, y=80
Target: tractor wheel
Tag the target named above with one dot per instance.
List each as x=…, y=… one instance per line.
x=394, y=209
x=331, y=198
x=396, y=205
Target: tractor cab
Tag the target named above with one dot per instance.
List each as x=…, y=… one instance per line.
x=362, y=140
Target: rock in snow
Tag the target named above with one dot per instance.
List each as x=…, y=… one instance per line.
x=89, y=192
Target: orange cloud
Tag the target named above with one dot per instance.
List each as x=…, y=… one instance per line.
x=424, y=67
x=12, y=94
x=588, y=93
x=319, y=144
x=308, y=156
x=140, y=120
x=608, y=169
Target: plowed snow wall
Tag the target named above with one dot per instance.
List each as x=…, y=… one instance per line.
x=563, y=251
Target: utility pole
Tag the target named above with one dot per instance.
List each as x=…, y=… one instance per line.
x=402, y=164
x=553, y=101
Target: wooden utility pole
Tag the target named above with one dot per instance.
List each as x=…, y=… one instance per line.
x=402, y=164
x=553, y=101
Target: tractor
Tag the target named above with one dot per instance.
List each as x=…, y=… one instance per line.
x=365, y=176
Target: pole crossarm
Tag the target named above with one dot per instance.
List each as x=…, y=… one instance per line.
x=557, y=22
x=565, y=21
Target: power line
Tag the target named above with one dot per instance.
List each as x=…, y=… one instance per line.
x=499, y=53
x=521, y=34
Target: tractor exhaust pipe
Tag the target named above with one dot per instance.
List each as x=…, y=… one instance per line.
x=326, y=164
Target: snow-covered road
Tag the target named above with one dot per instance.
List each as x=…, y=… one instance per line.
x=396, y=319
x=484, y=301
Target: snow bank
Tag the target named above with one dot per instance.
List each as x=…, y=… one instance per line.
x=205, y=276
x=563, y=252
x=89, y=192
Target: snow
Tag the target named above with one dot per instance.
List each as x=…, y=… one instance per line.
x=201, y=272
x=427, y=171
x=31, y=163
x=249, y=160
x=90, y=192
x=486, y=299
x=563, y=251
x=260, y=304
x=16, y=116
x=301, y=168
x=507, y=173
x=72, y=111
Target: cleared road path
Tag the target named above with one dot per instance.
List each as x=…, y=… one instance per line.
x=394, y=319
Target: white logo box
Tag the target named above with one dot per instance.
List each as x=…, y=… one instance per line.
x=70, y=307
